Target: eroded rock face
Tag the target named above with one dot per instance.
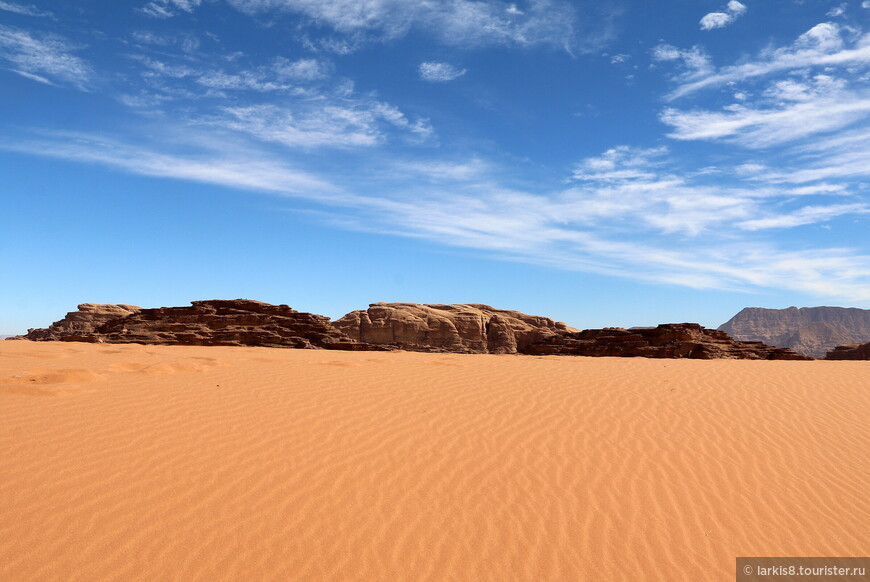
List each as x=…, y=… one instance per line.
x=850, y=352
x=669, y=340
x=809, y=330
x=464, y=328
x=81, y=323
x=236, y=322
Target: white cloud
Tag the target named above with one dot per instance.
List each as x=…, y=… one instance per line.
x=865, y=4
x=634, y=226
x=607, y=228
x=189, y=43
x=837, y=157
x=169, y=8
x=295, y=103
x=793, y=111
x=32, y=77
x=837, y=11
x=716, y=20
x=218, y=162
x=734, y=10
x=302, y=69
x=631, y=212
x=814, y=88
x=619, y=58
x=820, y=188
x=439, y=72
x=695, y=60
x=454, y=22
x=735, y=7
x=244, y=80
x=821, y=46
x=281, y=75
x=22, y=9
x=620, y=163
x=438, y=171
x=806, y=215
x=314, y=125
x=45, y=58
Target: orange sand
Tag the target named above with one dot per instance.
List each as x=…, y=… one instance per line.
x=128, y=462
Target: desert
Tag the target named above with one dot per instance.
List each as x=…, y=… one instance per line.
x=153, y=462
x=434, y=290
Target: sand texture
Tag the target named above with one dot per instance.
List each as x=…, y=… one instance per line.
x=130, y=462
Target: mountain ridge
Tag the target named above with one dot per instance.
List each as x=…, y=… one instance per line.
x=813, y=331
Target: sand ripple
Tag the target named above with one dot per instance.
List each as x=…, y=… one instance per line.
x=177, y=463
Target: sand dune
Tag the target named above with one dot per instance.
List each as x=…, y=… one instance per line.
x=129, y=462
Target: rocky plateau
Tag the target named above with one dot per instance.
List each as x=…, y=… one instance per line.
x=237, y=322
x=459, y=328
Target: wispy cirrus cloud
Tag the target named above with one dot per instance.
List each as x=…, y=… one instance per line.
x=807, y=108
x=305, y=69
x=453, y=22
x=628, y=212
x=439, y=72
x=824, y=45
x=789, y=110
x=297, y=103
x=809, y=100
x=630, y=216
x=47, y=58
x=695, y=61
x=306, y=125
x=24, y=9
x=642, y=187
x=212, y=159
x=841, y=156
x=603, y=222
x=169, y=8
x=190, y=77
x=805, y=215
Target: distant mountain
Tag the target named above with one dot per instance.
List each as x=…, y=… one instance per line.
x=809, y=330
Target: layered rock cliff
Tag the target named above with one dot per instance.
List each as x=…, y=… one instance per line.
x=669, y=340
x=83, y=322
x=809, y=330
x=465, y=328
x=850, y=352
x=238, y=322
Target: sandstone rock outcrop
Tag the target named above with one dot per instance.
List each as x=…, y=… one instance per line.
x=669, y=340
x=81, y=323
x=809, y=330
x=465, y=328
x=237, y=322
x=850, y=352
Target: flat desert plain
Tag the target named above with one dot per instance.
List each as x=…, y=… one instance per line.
x=131, y=462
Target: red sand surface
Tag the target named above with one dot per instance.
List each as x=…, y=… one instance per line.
x=129, y=462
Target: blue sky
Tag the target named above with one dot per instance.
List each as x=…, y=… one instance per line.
x=602, y=163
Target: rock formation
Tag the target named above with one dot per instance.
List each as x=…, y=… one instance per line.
x=808, y=330
x=669, y=340
x=464, y=328
x=468, y=328
x=238, y=322
x=850, y=352
x=81, y=323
